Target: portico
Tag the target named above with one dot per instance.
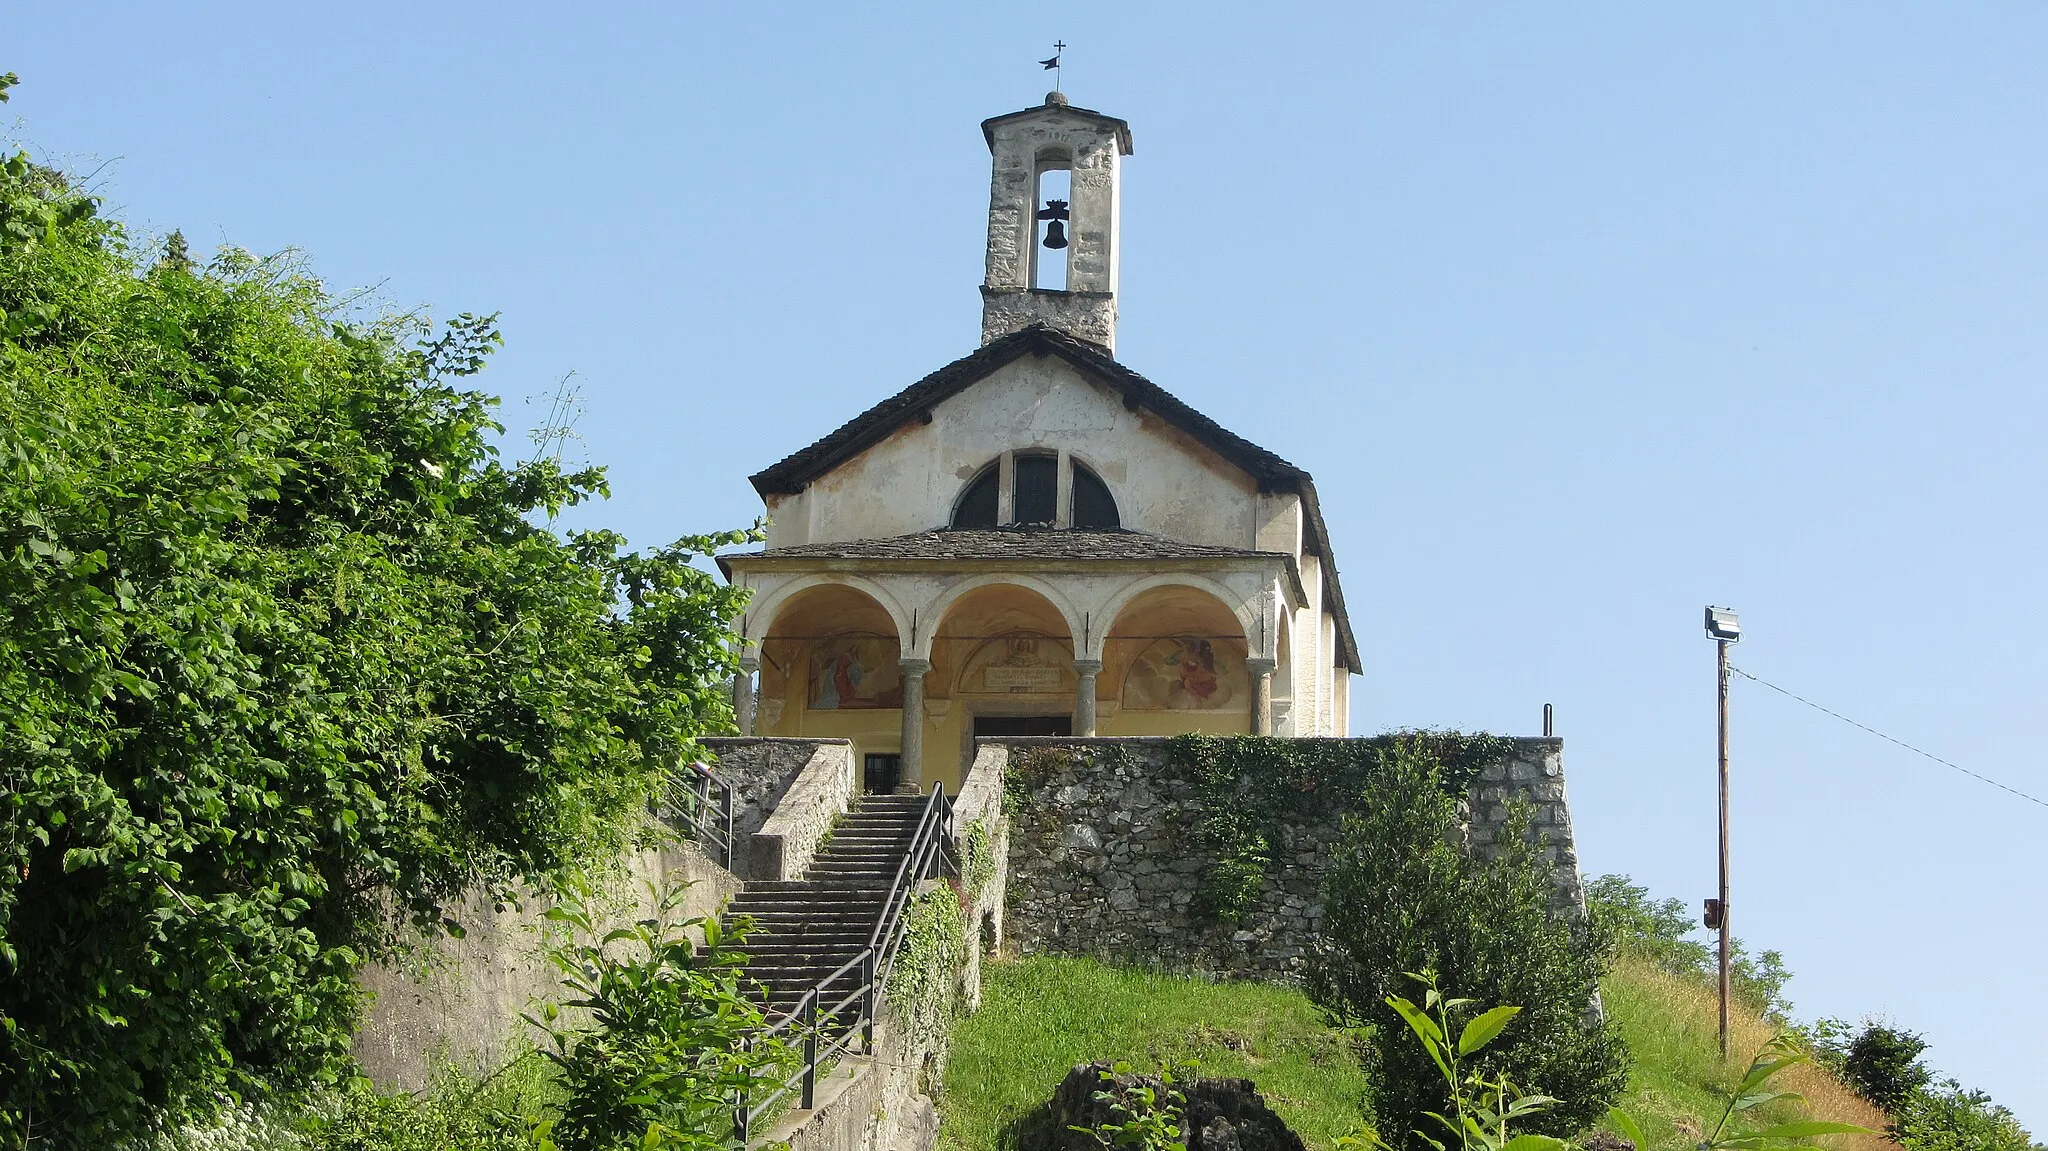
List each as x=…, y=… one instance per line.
x=905, y=645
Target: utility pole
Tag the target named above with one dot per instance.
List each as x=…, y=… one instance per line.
x=1725, y=629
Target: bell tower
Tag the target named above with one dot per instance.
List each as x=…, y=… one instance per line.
x=1052, y=221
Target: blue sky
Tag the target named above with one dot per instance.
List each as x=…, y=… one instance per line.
x=1582, y=315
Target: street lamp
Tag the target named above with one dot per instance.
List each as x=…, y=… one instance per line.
x=1724, y=628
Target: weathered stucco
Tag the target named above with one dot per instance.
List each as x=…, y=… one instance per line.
x=463, y=1000
x=1163, y=481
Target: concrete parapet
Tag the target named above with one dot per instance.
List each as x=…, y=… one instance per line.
x=789, y=837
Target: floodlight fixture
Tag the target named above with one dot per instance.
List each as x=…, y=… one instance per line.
x=1723, y=625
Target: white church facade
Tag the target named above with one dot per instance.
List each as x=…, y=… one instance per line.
x=1035, y=539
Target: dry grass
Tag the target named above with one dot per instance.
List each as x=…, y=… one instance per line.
x=1679, y=1082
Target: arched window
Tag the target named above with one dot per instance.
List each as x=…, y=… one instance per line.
x=1094, y=507
x=1035, y=495
x=977, y=506
x=1038, y=489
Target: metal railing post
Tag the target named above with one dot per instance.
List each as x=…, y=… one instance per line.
x=741, y=1120
x=811, y=1051
x=867, y=1003
x=726, y=803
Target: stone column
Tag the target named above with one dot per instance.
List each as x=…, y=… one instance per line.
x=1260, y=669
x=913, y=723
x=1084, y=695
x=743, y=694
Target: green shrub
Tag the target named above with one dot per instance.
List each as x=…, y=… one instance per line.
x=1883, y=1065
x=1402, y=898
x=667, y=1054
x=1949, y=1118
x=1251, y=785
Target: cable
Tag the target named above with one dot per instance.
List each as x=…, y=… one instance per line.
x=1886, y=738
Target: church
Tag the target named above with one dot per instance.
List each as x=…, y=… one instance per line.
x=1035, y=539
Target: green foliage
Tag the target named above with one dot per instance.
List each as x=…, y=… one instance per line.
x=924, y=985
x=286, y=658
x=1751, y=1093
x=1481, y=1111
x=1402, y=898
x=667, y=1055
x=1660, y=930
x=1251, y=786
x=1146, y=1118
x=978, y=858
x=1042, y=1015
x=455, y=1113
x=1947, y=1117
x=1883, y=1065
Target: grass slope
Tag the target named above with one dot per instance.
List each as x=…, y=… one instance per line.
x=1678, y=1083
x=1040, y=1016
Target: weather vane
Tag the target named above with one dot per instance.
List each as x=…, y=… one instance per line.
x=1052, y=64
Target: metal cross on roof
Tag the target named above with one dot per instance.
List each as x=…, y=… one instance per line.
x=1052, y=64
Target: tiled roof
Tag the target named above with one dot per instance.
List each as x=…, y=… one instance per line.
x=1011, y=543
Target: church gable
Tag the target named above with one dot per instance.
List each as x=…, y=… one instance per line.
x=1035, y=439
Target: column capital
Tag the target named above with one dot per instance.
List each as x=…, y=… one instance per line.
x=750, y=664
x=1087, y=666
x=911, y=665
x=1261, y=664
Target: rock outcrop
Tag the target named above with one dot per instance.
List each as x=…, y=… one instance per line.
x=1216, y=1114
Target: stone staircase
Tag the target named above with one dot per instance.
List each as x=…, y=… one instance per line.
x=806, y=928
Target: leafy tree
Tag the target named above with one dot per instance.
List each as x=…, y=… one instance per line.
x=288, y=657
x=1401, y=898
x=1883, y=1065
x=1658, y=930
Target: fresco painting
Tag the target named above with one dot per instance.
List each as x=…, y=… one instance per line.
x=1185, y=675
x=855, y=672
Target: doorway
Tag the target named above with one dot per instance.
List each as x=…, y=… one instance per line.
x=1001, y=725
x=881, y=774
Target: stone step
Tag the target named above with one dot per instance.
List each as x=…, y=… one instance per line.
x=796, y=887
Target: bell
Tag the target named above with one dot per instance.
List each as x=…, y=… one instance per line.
x=1055, y=235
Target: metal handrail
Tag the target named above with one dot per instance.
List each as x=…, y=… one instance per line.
x=692, y=805
x=924, y=859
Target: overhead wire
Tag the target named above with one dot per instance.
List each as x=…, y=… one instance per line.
x=1887, y=738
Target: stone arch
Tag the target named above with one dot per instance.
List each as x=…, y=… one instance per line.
x=1175, y=646
x=942, y=606
x=829, y=652
x=760, y=616
x=1244, y=611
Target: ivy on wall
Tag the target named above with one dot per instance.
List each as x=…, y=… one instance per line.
x=1251, y=785
x=978, y=859
x=924, y=983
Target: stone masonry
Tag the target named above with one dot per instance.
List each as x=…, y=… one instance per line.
x=1102, y=860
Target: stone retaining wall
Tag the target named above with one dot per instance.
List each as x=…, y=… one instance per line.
x=760, y=771
x=1102, y=859
x=789, y=838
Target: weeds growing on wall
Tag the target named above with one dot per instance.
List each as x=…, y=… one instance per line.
x=922, y=987
x=1251, y=786
x=978, y=859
